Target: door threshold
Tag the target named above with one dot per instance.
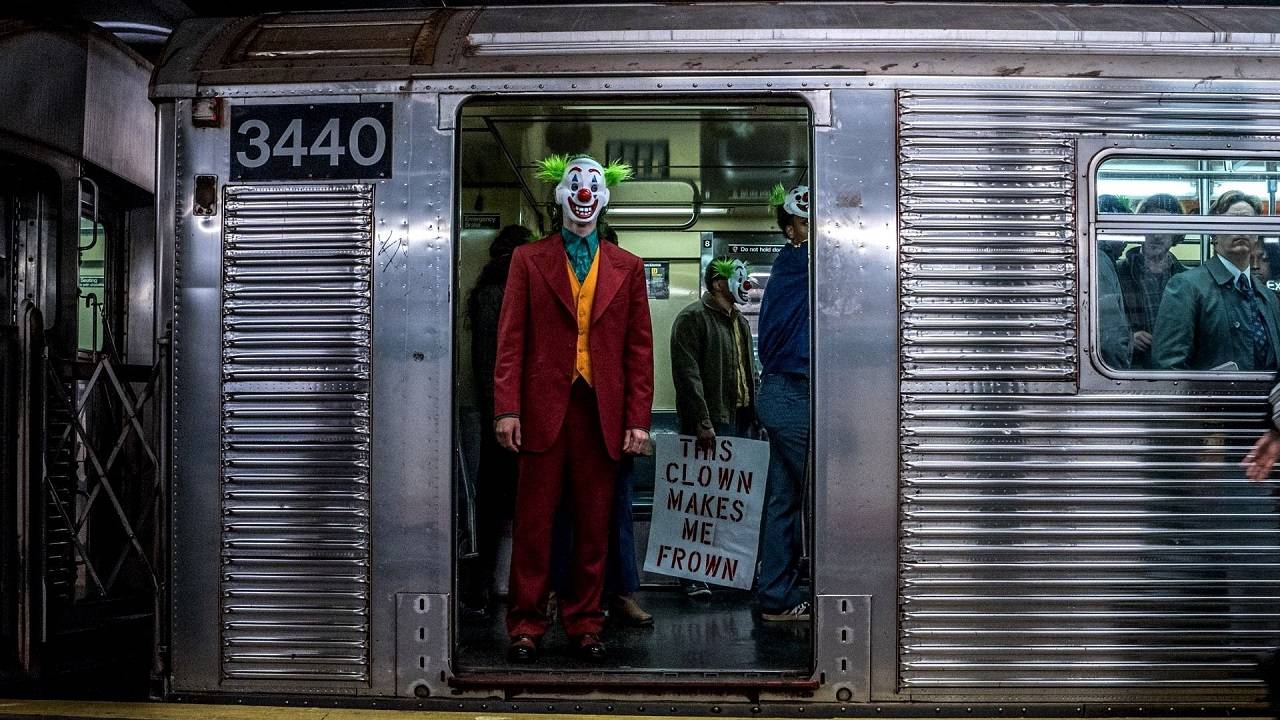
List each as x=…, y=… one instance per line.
x=632, y=680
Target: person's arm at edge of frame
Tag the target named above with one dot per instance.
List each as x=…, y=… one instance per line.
x=508, y=366
x=1262, y=457
x=637, y=365
x=1264, y=453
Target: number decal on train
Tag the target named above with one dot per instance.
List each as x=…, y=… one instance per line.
x=322, y=141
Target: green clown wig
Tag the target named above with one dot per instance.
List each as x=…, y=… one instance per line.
x=724, y=267
x=777, y=196
x=552, y=169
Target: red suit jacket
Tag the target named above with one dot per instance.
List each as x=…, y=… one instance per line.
x=537, y=342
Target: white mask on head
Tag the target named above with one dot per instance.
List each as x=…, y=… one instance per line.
x=797, y=202
x=582, y=193
x=736, y=277
x=740, y=284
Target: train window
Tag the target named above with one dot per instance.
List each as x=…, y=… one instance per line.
x=91, y=281
x=702, y=190
x=1187, y=263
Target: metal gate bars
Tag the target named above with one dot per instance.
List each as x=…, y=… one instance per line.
x=105, y=390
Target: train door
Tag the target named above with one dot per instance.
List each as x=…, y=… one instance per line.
x=82, y=479
x=104, y=392
x=703, y=177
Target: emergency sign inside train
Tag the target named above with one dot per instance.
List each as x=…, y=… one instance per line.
x=420, y=361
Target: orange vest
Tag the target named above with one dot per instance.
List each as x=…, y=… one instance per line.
x=584, y=294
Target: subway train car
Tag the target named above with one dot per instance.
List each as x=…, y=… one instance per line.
x=81, y=381
x=1024, y=483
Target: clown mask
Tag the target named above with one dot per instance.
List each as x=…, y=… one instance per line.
x=582, y=192
x=736, y=276
x=797, y=201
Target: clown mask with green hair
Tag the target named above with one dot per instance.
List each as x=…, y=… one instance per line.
x=794, y=201
x=736, y=276
x=582, y=188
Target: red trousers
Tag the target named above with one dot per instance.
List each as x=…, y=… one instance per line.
x=578, y=468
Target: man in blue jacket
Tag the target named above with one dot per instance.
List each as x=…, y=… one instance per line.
x=783, y=408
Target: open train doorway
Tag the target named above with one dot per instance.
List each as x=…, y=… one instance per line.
x=702, y=571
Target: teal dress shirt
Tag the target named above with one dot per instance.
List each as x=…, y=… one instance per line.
x=581, y=251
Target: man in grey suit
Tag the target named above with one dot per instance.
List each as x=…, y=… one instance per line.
x=1216, y=317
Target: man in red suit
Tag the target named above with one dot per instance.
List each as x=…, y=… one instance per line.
x=573, y=390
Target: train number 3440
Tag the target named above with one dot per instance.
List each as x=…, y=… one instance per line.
x=321, y=141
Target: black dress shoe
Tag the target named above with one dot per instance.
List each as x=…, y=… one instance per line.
x=588, y=647
x=523, y=649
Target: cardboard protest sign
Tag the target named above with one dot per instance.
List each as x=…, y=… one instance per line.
x=706, y=509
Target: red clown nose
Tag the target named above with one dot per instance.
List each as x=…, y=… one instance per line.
x=583, y=194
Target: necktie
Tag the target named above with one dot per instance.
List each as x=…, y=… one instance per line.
x=1262, y=359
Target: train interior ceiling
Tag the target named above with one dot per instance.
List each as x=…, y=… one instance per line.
x=703, y=172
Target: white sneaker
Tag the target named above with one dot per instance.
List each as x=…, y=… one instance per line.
x=697, y=590
x=799, y=613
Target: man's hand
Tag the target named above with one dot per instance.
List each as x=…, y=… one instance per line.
x=635, y=442
x=1142, y=341
x=1262, y=457
x=508, y=431
x=706, y=437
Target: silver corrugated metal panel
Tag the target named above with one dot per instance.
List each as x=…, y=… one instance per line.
x=1084, y=541
x=295, y=432
x=987, y=239
x=952, y=113
x=987, y=223
x=1049, y=538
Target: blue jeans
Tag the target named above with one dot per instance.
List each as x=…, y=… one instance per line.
x=622, y=574
x=783, y=407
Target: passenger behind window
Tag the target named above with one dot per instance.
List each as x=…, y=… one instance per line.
x=1265, y=264
x=711, y=365
x=1115, y=340
x=496, y=478
x=1213, y=317
x=1144, y=272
